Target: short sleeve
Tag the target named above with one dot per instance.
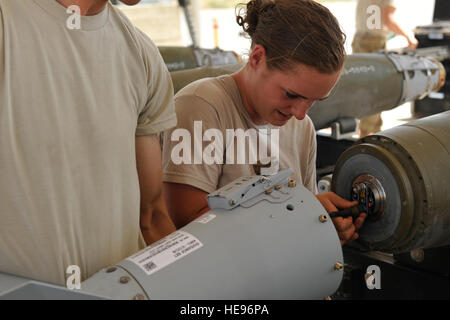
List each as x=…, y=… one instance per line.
x=158, y=113
x=195, y=116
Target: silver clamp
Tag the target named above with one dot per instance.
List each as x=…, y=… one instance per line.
x=417, y=71
x=245, y=189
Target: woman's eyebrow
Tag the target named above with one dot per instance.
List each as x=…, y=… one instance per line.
x=291, y=92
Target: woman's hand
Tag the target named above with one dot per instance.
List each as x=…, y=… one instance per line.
x=345, y=227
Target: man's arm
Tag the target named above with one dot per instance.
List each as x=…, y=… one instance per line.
x=155, y=222
x=390, y=22
x=185, y=202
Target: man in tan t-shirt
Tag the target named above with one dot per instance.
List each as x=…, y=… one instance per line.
x=80, y=164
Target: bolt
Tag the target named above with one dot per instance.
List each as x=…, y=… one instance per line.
x=292, y=183
x=418, y=255
x=268, y=191
x=232, y=202
x=124, y=280
x=277, y=187
x=338, y=266
x=112, y=269
x=323, y=218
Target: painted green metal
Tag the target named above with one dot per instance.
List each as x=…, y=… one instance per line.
x=370, y=83
x=184, y=58
x=178, y=58
x=182, y=78
x=417, y=158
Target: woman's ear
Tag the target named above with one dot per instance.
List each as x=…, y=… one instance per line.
x=257, y=58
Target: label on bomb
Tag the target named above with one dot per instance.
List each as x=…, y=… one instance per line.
x=166, y=251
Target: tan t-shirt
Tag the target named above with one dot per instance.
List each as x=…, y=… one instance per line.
x=218, y=104
x=71, y=105
x=362, y=17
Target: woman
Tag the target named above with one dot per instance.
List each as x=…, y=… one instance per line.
x=296, y=58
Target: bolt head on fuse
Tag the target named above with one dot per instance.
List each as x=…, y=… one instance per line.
x=323, y=218
x=338, y=266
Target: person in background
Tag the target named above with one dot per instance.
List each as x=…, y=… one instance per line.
x=372, y=32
